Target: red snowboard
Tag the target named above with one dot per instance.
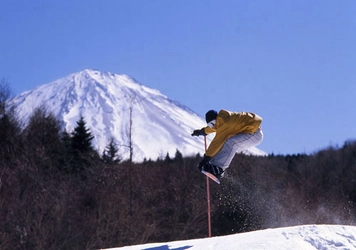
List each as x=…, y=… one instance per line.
x=211, y=176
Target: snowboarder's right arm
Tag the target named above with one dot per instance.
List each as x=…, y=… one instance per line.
x=198, y=132
x=204, y=131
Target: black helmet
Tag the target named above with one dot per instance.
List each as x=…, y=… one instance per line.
x=210, y=115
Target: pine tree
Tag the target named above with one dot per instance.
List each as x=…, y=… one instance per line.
x=167, y=159
x=81, y=154
x=81, y=137
x=178, y=156
x=110, y=153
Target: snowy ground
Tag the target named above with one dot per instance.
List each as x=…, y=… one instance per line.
x=308, y=237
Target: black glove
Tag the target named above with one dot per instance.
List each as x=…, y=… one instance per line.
x=203, y=162
x=198, y=132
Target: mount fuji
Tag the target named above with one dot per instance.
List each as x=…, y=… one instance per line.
x=118, y=107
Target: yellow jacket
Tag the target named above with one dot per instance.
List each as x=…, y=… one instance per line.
x=229, y=124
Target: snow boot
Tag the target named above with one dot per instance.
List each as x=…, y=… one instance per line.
x=218, y=172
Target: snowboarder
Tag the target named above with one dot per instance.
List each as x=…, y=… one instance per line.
x=235, y=132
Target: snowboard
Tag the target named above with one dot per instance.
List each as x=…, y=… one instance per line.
x=211, y=176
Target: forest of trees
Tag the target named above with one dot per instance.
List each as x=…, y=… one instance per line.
x=57, y=192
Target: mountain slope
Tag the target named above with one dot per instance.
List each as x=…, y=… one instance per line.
x=116, y=106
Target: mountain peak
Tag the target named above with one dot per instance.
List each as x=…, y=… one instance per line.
x=110, y=104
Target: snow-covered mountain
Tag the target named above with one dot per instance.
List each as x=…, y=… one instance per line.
x=113, y=105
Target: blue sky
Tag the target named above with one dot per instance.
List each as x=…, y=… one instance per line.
x=291, y=62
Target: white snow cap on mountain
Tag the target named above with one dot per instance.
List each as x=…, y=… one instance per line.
x=116, y=106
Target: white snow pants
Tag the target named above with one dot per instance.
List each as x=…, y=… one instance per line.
x=236, y=144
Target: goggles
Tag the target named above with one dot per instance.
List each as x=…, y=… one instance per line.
x=211, y=124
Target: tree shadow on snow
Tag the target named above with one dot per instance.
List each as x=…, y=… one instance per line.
x=166, y=247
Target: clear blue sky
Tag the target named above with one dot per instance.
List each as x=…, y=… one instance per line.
x=292, y=62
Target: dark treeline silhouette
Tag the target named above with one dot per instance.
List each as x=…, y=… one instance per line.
x=56, y=192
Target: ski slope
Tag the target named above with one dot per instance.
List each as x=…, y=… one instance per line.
x=306, y=237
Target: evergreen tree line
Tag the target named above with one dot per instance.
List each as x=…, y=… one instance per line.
x=57, y=192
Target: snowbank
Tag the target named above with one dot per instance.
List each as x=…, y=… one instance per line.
x=307, y=237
